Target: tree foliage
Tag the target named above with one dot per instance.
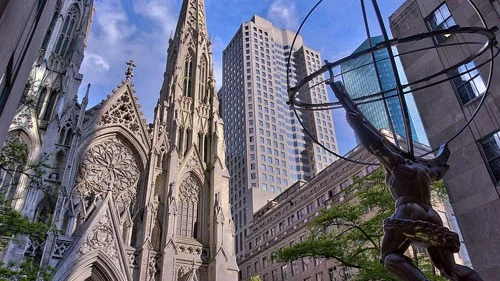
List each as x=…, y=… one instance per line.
x=351, y=231
x=14, y=158
x=13, y=223
x=28, y=270
x=255, y=278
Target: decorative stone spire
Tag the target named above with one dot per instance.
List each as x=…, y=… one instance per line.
x=193, y=18
x=83, y=107
x=130, y=70
x=189, y=113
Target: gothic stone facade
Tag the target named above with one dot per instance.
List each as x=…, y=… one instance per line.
x=131, y=201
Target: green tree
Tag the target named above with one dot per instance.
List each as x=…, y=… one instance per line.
x=351, y=231
x=255, y=278
x=13, y=223
x=13, y=163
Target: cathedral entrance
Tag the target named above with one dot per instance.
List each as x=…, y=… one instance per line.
x=98, y=275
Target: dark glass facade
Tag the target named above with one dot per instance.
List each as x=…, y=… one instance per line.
x=370, y=74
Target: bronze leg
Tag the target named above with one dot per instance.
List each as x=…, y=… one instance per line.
x=443, y=259
x=394, y=244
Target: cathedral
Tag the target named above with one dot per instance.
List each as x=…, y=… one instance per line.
x=127, y=200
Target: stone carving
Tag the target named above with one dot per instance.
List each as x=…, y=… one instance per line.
x=189, y=190
x=193, y=164
x=23, y=119
x=132, y=257
x=107, y=166
x=101, y=238
x=201, y=19
x=122, y=113
x=60, y=248
x=190, y=250
x=35, y=246
x=153, y=264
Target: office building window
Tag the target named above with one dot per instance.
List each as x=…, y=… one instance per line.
x=306, y=264
x=331, y=274
x=491, y=151
x=440, y=19
x=468, y=83
x=274, y=275
x=284, y=272
x=295, y=268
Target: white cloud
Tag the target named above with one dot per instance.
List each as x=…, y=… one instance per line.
x=95, y=61
x=113, y=22
x=158, y=11
x=283, y=13
x=217, y=47
x=119, y=34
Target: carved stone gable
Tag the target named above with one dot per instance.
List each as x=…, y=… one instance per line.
x=101, y=238
x=193, y=164
x=122, y=112
x=23, y=119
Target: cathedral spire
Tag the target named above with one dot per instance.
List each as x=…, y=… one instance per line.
x=196, y=210
x=192, y=19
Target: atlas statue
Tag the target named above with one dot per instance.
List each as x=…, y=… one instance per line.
x=414, y=220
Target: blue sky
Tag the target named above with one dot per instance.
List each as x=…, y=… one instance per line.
x=140, y=29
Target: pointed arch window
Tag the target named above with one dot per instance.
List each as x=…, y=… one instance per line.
x=187, y=140
x=41, y=101
x=203, y=78
x=187, y=218
x=206, y=147
x=188, y=75
x=53, y=21
x=68, y=29
x=51, y=103
x=200, y=143
x=46, y=104
x=180, y=139
x=66, y=133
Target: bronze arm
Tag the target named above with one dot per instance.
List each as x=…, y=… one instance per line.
x=387, y=153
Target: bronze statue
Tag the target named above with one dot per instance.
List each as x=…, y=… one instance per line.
x=414, y=221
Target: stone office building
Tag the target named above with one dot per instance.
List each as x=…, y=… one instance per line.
x=267, y=149
x=473, y=181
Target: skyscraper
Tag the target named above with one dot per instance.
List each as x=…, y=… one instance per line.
x=370, y=74
x=267, y=148
x=130, y=201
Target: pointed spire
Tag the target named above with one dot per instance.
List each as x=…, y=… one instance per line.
x=130, y=70
x=193, y=15
x=81, y=116
x=85, y=99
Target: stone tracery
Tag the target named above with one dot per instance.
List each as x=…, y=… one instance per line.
x=107, y=166
x=187, y=219
x=122, y=113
